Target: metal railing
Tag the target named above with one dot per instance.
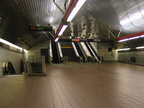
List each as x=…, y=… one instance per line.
x=35, y=59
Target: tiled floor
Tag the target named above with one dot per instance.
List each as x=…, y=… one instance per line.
x=106, y=85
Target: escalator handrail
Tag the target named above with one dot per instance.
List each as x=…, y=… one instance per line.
x=92, y=51
x=75, y=49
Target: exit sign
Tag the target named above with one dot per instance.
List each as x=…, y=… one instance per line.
x=76, y=40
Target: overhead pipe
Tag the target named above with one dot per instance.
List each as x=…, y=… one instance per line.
x=140, y=34
x=67, y=13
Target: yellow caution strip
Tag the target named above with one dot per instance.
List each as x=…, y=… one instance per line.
x=66, y=47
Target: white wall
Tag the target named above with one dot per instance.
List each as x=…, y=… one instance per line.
x=13, y=57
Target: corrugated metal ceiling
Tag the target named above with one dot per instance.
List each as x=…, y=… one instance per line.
x=17, y=15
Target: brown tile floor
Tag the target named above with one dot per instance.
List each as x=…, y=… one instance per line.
x=107, y=85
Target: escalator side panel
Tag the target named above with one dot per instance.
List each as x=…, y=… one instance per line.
x=94, y=50
x=83, y=53
x=78, y=49
x=56, y=56
x=85, y=49
x=89, y=48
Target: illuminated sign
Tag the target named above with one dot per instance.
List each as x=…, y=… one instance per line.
x=40, y=28
x=85, y=40
x=76, y=40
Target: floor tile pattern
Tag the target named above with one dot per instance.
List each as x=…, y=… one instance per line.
x=105, y=85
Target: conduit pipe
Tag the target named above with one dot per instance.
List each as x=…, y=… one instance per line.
x=128, y=37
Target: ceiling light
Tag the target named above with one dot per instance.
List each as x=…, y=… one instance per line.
x=123, y=40
x=124, y=49
x=56, y=39
x=141, y=35
x=75, y=10
x=62, y=30
x=141, y=47
x=10, y=44
x=25, y=50
x=134, y=38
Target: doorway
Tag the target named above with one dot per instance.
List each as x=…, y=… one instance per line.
x=44, y=52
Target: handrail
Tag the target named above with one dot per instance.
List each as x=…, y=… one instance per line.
x=86, y=51
x=35, y=59
x=76, y=51
x=84, y=55
x=60, y=50
x=92, y=51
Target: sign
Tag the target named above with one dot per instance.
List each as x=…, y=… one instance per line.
x=85, y=40
x=40, y=28
x=76, y=40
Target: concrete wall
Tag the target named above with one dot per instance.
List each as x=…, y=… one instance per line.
x=103, y=51
x=13, y=57
x=128, y=56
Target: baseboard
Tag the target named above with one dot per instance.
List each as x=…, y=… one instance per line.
x=132, y=63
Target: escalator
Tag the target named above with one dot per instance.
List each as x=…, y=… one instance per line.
x=87, y=55
x=55, y=52
x=80, y=51
x=94, y=57
x=94, y=49
x=69, y=55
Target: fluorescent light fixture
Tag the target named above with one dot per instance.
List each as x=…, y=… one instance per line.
x=134, y=38
x=75, y=10
x=25, y=50
x=123, y=40
x=124, y=49
x=62, y=30
x=141, y=47
x=141, y=36
x=10, y=44
x=56, y=39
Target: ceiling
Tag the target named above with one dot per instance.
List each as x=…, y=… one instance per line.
x=17, y=15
